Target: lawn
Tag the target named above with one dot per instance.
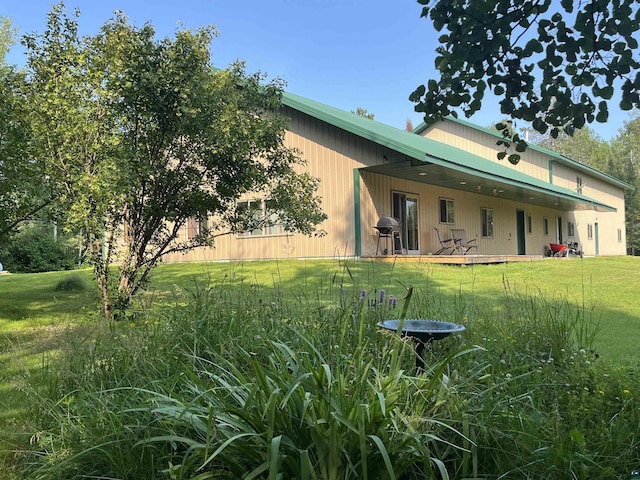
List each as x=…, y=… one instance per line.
x=608, y=286
x=37, y=322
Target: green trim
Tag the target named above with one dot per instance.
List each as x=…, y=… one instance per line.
x=551, y=171
x=430, y=151
x=545, y=151
x=356, y=212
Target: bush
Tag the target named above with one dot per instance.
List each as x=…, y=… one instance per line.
x=72, y=283
x=35, y=250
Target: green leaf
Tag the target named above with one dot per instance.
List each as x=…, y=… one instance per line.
x=534, y=45
x=385, y=455
x=514, y=159
x=603, y=113
x=606, y=92
x=619, y=47
x=577, y=437
x=539, y=125
x=567, y=5
x=417, y=94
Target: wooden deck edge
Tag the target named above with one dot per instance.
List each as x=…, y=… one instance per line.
x=455, y=259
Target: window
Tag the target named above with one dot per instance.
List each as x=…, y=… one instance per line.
x=545, y=225
x=260, y=218
x=571, y=229
x=579, y=185
x=272, y=226
x=197, y=226
x=590, y=232
x=529, y=224
x=446, y=211
x=620, y=235
x=487, y=222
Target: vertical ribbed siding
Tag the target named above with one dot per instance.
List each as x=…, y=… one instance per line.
x=467, y=216
x=330, y=155
x=479, y=143
x=608, y=223
x=333, y=155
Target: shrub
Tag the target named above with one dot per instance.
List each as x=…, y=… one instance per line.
x=35, y=250
x=72, y=283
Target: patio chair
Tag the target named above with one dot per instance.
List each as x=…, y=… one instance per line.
x=447, y=246
x=460, y=239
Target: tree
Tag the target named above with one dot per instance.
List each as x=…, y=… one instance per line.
x=625, y=164
x=584, y=146
x=143, y=135
x=7, y=37
x=363, y=112
x=23, y=190
x=556, y=65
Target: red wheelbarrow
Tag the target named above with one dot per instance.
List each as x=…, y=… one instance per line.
x=558, y=249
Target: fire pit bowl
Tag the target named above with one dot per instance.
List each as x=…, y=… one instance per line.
x=422, y=332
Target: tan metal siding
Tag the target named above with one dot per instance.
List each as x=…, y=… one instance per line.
x=467, y=208
x=609, y=223
x=479, y=143
x=331, y=155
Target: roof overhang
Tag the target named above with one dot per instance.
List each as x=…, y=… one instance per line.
x=553, y=155
x=471, y=181
x=431, y=162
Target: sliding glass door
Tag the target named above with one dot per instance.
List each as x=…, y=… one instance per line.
x=405, y=209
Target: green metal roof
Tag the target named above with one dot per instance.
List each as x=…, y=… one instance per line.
x=554, y=155
x=440, y=164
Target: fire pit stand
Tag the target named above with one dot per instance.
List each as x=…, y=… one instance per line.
x=422, y=332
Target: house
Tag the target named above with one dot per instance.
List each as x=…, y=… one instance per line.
x=445, y=176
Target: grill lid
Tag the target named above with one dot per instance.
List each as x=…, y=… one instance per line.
x=387, y=224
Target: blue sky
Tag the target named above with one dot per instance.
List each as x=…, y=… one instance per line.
x=345, y=53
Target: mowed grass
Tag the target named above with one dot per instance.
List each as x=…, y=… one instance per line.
x=36, y=321
x=606, y=287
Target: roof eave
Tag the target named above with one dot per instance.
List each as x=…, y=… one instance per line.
x=359, y=126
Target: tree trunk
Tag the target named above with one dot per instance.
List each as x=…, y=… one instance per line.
x=101, y=272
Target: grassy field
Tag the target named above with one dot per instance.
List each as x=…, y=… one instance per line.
x=605, y=286
x=36, y=321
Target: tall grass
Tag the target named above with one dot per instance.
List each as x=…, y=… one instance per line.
x=229, y=386
x=264, y=382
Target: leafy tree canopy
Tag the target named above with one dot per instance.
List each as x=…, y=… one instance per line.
x=23, y=189
x=144, y=135
x=625, y=164
x=7, y=37
x=557, y=65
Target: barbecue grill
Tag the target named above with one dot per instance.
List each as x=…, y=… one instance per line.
x=389, y=228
